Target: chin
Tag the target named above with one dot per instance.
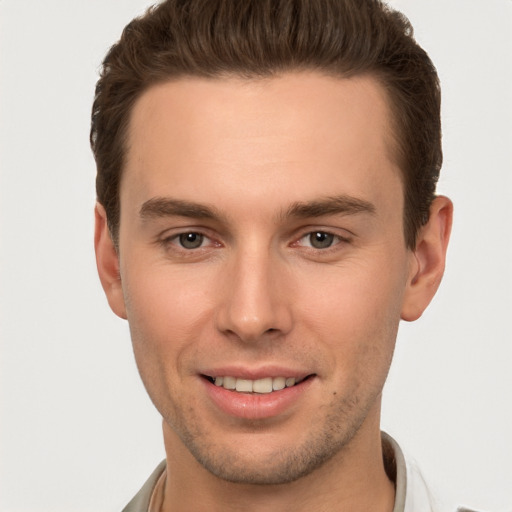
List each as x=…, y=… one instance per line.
x=241, y=464
x=276, y=469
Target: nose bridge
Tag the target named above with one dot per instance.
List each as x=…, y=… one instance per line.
x=254, y=303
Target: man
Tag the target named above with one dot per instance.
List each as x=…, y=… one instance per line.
x=266, y=217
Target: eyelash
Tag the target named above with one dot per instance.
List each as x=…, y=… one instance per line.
x=334, y=239
x=176, y=240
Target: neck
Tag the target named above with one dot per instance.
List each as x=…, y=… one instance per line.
x=353, y=480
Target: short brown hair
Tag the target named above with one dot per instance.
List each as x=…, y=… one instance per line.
x=261, y=38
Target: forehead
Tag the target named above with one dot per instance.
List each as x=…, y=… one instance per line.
x=297, y=134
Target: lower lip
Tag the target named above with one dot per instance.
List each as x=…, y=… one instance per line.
x=255, y=406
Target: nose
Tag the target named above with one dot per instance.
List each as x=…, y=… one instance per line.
x=255, y=299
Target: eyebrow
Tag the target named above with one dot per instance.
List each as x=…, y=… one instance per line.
x=158, y=207
x=334, y=205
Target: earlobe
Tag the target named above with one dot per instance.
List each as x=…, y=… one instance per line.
x=428, y=259
x=107, y=261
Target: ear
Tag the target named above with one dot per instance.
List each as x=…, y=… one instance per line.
x=428, y=259
x=107, y=261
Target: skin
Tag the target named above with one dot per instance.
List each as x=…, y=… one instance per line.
x=259, y=292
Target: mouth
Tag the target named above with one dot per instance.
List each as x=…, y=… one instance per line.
x=259, y=386
x=271, y=393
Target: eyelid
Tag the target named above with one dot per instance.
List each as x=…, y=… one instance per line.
x=340, y=233
x=171, y=237
x=337, y=240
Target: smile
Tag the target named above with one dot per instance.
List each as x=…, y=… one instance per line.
x=260, y=398
x=262, y=386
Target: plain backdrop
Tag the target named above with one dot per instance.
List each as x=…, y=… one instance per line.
x=78, y=432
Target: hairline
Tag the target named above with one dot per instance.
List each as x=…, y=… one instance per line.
x=392, y=140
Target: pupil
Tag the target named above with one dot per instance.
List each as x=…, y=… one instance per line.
x=321, y=240
x=191, y=240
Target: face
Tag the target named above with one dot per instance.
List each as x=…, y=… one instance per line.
x=261, y=248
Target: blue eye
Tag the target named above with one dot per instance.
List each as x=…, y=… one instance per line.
x=191, y=240
x=321, y=239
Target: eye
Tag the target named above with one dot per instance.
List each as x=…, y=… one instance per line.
x=191, y=240
x=319, y=239
x=188, y=245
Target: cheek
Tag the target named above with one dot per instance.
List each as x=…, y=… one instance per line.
x=356, y=294
x=165, y=316
x=165, y=303
x=355, y=314
x=163, y=325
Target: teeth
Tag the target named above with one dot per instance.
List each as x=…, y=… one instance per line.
x=266, y=385
x=229, y=382
x=290, y=381
x=262, y=385
x=278, y=383
x=244, y=386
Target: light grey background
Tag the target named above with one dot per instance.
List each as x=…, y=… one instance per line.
x=77, y=430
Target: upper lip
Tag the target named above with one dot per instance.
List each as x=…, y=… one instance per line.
x=244, y=372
